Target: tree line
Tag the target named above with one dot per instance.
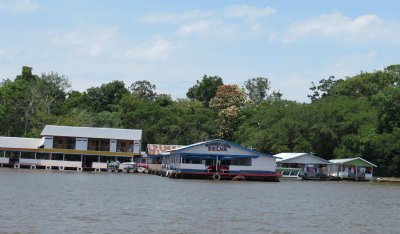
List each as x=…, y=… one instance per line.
x=351, y=117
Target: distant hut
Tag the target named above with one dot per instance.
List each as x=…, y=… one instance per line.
x=352, y=169
x=302, y=165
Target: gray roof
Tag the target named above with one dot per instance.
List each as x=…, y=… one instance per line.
x=347, y=160
x=302, y=158
x=89, y=132
x=244, y=149
x=20, y=142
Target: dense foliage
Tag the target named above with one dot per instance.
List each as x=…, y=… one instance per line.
x=356, y=116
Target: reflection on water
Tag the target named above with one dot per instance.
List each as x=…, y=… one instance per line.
x=70, y=202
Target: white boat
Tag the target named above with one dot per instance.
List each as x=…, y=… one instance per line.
x=289, y=173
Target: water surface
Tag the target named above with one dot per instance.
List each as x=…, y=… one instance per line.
x=71, y=202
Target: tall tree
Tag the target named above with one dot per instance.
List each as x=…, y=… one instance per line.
x=144, y=89
x=54, y=88
x=106, y=97
x=205, y=89
x=27, y=96
x=228, y=100
x=257, y=89
x=26, y=74
x=388, y=104
x=323, y=89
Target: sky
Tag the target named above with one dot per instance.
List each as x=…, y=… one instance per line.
x=174, y=43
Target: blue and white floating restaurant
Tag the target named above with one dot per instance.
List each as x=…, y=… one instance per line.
x=219, y=159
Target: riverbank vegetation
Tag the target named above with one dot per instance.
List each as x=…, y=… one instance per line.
x=352, y=117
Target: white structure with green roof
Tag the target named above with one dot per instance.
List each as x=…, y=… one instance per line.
x=351, y=168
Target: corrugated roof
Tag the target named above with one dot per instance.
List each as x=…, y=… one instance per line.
x=289, y=156
x=20, y=142
x=346, y=160
x=223, y=141
x=155, y=149
x=89, y=132
x=285, y=156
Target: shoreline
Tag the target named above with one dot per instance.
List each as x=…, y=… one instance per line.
x=387, y=179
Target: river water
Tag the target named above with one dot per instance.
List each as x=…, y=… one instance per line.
x=81, y=202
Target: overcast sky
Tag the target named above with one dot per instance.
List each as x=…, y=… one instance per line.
x=174, y=43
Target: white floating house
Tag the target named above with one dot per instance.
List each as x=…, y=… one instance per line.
x=352, y=169
x=302, y=165
x=219, y=159
x=13, y=148
x=72, y=147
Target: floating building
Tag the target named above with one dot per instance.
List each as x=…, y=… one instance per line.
x=303, y=166
x=219, y=159
x=66, y=147
x=351, y=169
x=155, y=153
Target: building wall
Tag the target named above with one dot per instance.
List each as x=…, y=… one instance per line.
x=48, y=142
x=258, y=164
x=217, y=149
x=81, y=144
x=113, y=145
x=136, y=147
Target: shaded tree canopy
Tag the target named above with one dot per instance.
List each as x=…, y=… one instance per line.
x=205, y=89
x=257, y=89
x=144, y=89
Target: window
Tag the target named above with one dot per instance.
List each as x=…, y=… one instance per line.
x=192, y=160
x=72, y=157
x=241, y=161
x=124, y=159
x=12, y=154
x=104, y=159
x=124, y=146
x=59, y=143
x=57, y=157
x=30, y=155
x=99, y=144
x=44, y=156
x=71, y=143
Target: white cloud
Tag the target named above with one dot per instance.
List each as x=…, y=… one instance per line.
x=91, y=41
x=18, y=6
x=349, y=65
x=219, y=25
x=176, y=17
x=156, y=49
x=196, y=27
x=249, y=12
x=212, y=29
x=361, y=29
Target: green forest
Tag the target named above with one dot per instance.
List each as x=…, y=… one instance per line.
x=358, y=116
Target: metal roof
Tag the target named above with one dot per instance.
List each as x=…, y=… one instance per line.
x=348, y=160
x=155, y=149
x=291, y=158
x=223, y=141
x=285, y=156
x=20, y=142
x=89, y=132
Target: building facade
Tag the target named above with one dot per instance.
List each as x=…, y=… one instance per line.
x=69, y=147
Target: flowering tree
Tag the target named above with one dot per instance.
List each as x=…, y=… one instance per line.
x=228, y=100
